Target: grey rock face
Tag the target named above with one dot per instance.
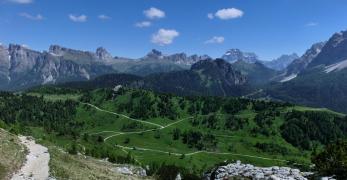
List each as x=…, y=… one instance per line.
x=21, y=67
x=4, y=64
x=234, y=55
x=22, y=59
x=102, y=54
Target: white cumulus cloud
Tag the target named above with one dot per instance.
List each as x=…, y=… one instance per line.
x=154, y=13
x=104, y=17
x=228, y=13
x=164, y=36
x=76, y=18
x=37, y=17
x=215, y=40
x=21, y=1
x=143, y=24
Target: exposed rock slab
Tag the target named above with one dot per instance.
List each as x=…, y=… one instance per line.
x=252, y=172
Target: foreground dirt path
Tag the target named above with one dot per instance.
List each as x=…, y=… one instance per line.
x=36, y=165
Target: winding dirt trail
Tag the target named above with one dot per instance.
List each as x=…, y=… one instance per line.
x=36, y=165
x=198, y=152
x=125, y=116
x=167, y=152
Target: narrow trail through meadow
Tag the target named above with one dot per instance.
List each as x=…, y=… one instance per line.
x=163, y=127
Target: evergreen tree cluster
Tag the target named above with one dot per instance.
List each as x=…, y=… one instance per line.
x=302, y=129
x=18, y=111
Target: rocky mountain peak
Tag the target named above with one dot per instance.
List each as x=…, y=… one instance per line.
x=198, y=58
x=220, y=69
x=337, y=38
x=313, y=51
x=300, y=64
x=155, y=54
x=281, y=62
x=334, y=51
x=233, y=55
x=237, y=53
x=103, y=54
x=210, y=64
x=180, y=55
x=16, y=47
x=293, y=55
x=56, y=49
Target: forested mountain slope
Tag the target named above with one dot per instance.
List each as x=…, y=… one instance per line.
x=145, y=128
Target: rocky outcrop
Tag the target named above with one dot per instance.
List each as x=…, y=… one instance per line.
x=252, y=172
x=130, y=170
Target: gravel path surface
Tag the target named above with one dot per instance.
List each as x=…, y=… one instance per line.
x=36, y=165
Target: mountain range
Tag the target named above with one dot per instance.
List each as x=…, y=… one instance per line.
x=208, y=77
x=21, y=67
x=317, y=78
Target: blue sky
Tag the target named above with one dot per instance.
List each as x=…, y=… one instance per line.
x=267, y=27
